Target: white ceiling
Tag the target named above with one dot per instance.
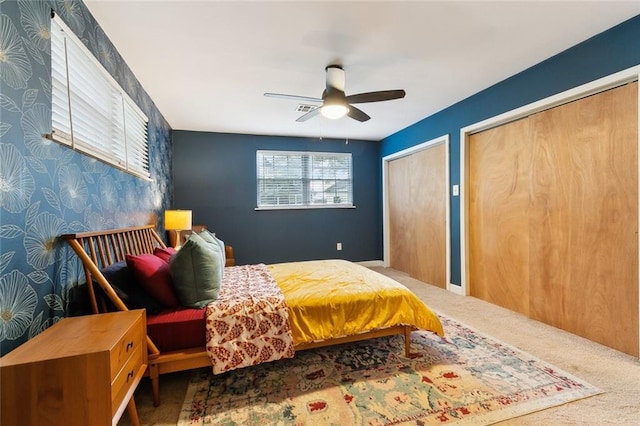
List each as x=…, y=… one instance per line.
x=206, y=64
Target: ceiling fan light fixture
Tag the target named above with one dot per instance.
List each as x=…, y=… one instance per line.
x=334, y=103
x=334, y=111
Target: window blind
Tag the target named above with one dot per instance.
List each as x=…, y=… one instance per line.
x=290, y=179
x=90, y=111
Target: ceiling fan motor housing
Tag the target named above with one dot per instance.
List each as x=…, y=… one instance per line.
x=335, y=78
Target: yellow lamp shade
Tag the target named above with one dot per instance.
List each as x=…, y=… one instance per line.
x=177, y=220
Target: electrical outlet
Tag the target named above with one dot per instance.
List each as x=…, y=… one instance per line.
x=338, y=246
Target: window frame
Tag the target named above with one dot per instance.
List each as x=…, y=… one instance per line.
x=306, y=180
x=123, y=140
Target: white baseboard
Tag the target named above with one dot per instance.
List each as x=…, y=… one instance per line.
x=457, y=289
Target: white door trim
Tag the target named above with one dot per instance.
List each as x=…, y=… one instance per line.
x=385, y=200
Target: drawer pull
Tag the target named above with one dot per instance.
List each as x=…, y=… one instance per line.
x=129, y=376
x=129, y=345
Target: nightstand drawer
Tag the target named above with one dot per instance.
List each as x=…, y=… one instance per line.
x=126, y=377
x=129, y=342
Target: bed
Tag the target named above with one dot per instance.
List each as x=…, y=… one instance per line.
x=361, y=304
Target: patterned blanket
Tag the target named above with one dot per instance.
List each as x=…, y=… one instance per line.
x=249, y=322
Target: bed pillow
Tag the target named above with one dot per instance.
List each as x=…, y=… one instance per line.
x=124, y=284
x=196, y=272
x=164, y=253
x=212, y=239
x=154, y=276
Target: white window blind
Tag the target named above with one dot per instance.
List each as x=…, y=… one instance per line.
x=90, y=111
x=289, y=179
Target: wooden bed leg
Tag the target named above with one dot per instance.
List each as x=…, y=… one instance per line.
x=407, y=342
x=155, y=383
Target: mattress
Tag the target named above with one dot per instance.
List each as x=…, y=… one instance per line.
x=175, y=329
x=326, y=299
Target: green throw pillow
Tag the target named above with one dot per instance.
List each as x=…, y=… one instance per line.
x=196, y=272
x=211, y=238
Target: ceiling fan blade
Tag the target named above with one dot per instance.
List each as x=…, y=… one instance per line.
x=309, y=115
x=357, y=114
x=292, y=97
x=382, y=95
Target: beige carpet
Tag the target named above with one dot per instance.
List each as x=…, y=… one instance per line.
x=615, y=373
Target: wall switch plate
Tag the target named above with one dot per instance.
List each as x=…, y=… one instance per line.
x=338, y=246
x=456, y=190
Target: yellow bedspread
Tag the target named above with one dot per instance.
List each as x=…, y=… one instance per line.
x=335, y=298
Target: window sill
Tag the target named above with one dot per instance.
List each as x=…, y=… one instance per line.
x=336, y=206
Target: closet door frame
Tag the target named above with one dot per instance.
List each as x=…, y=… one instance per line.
x=614, y=80
x=386, y=234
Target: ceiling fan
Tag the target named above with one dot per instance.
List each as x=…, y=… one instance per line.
x=334, y=103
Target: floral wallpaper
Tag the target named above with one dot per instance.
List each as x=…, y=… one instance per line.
x=47, y=189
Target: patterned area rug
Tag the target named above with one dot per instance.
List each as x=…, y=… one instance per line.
x=465, y=378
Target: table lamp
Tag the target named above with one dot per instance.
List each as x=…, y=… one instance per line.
x=174, y=222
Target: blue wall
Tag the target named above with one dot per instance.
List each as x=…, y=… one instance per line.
x=47, y=189
x=215, y=176
x=604, y=54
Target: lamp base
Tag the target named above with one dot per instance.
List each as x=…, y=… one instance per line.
x=174, y=239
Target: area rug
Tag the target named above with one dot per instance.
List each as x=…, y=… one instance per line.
x=465, y=378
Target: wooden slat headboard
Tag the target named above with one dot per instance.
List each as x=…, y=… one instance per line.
x=99, y=249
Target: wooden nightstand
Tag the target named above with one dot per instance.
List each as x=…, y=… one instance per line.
x=80, y=371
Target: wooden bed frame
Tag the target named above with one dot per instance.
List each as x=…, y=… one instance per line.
x=99, y=249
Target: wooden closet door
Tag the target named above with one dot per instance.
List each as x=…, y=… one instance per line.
x=584, y=213
x=417, y=214
x=498, y=238
x=400, y=229
x=553, y=217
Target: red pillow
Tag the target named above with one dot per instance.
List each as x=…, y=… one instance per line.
x=164, y=253
x=153, y=274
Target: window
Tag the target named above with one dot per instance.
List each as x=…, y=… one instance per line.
x=90, y=111
x=288, y=179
